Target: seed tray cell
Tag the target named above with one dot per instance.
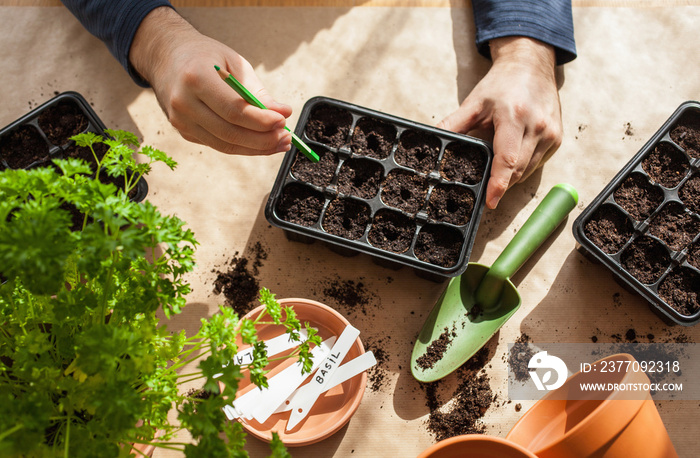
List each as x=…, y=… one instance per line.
x=645, y=224
x=46, y=130
x=405, y=193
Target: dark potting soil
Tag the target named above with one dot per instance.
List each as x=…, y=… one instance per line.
x=85, y=153
x=439, y=244
x=436, y=349
x=391, y=231
x=61, y=121
x=319, y=173
x=608, y=229
x=646, y=259
x=694, y=255
x=22, y=147
x=373, y=138
x=638, y=196
x=346, y=218
x=378, y=375
x=76, y=216
x=690, y=193
x=404, y=190
x=451, y=204
x=118, y=182
x=360, y=177
x=418, y=150
x=351, y=296
x=300, y=205
x=686, y=133
x=674, y=226
x=195, y=393
x=666, y=165
x=238, y=284
x=520, y=355
x=635, y=344
x=463, y=163
x=329, y=125
x=666, y=335
x=681, y=290
x=470, y=401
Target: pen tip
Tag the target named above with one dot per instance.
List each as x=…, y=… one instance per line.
x=217, y=68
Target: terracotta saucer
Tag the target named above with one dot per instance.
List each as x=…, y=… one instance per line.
x=334, y=408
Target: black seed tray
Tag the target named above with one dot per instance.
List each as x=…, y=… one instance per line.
x=405, y=193
x=645, y=225
x=31, y=131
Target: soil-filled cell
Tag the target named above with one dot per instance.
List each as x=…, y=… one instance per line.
x=686, y=133
x=77, y=218
x=61, y=121
x=666, y=165
x=646, y=259
x=119, y=182
x=439, y=245
x=392, y=231
x=23, y=146
x=317, y=173
x=85, y=153
x=674, y=226
x=451, y=204
x=418, y=150
x=373, y=138
x=638, y=196
x=404, y=190
x=694, y=255
x=360, y=177
x=346, y=218
x=328, y=124
x=689, y=193
x=609, y=229
x=300, y=205
x=681, y=290
x=464, y=163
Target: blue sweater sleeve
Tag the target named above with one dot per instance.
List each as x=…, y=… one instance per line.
x=549, y=21
x=115, y=23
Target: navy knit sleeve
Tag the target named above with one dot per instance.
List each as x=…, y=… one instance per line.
x=115, y=23
x=549, y=21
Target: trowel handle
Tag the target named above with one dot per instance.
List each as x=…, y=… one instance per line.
x=553, y=209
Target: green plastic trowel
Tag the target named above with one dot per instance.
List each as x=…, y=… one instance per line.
x=477, y=303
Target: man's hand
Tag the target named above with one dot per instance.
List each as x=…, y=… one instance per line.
x=518, y=101
x=178, y=62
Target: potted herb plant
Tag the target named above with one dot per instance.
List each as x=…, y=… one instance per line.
x=86, y=366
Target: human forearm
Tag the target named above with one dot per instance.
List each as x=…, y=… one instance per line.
x=115, y=23
x=548, y=21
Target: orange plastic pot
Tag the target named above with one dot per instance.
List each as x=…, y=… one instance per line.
x=335, y=407
x=476, y=446
x=623, y=424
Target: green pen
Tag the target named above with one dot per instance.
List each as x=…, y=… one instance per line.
x=250, y=98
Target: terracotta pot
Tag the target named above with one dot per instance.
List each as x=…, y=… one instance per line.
x=617, y=426
x=145, y=449
x=335, y=407
x=476, y=446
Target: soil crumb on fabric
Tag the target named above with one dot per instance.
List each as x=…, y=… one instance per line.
x=520, y=355
x=352, y=296
x=469, y=402
x=237, y=282
x=377, y=375
x=461, y=415
x=436, y=349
